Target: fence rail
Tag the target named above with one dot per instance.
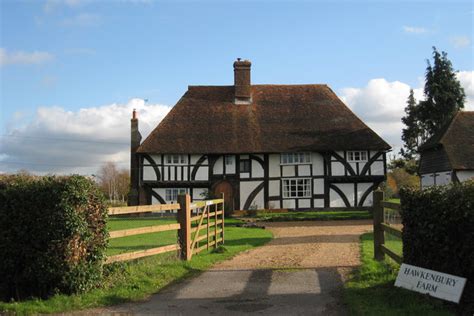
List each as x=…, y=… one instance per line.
x=380, y=228
x=189, y=237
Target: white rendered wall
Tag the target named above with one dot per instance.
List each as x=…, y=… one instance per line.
x=337, y=168
x=318, y=186
x=304, y=203
x=427, y=180
x=465, y=175
x=218, y=166
x=149, y=173
x=274, y=188
x=318, y=164
x=335, y=200
x=274, y=205
x=288, y=171
x=156, y=158
x=304, y=170
x=274, y=165
x=443, y=178
x=257, y=169
x=202, y=174
x=318, y=202
x=289, y=204
x=376, y=169
x=361, y=189
x=246, y=187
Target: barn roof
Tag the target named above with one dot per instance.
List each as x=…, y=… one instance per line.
x=457, y=139
x=279, y=118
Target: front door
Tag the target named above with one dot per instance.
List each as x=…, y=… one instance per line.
x=226, y=188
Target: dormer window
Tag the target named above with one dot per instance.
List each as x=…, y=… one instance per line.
x=357, y=156
x=176, y=159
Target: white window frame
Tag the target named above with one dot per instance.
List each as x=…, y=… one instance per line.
x=295, y=158
x=229, y=160
x=291, y=188
x=171, y=194
x=357, y=156
x=176, y=159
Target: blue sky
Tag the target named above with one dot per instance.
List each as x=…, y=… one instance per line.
x=62, y=56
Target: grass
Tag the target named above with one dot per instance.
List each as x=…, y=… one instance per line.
x=313, y=215
x=370, y=291
x=138, y=279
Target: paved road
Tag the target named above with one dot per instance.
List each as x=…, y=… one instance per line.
x=300, y=272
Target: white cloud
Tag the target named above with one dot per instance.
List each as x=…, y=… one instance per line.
x=466, y=78
x=460, y=41
x=82, y=19
x=21, y=57
x=381, y=104
x=60, y=141
x=414, y=29
x=51, y=5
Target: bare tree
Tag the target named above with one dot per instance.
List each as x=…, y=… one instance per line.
x=114, y=182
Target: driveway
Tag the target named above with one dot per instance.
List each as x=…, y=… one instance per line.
x=300, y=272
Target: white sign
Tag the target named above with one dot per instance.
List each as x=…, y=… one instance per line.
x=441, y=285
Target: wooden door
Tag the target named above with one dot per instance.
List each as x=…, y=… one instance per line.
x=226, y=188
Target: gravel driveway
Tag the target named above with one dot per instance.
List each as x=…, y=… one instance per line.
x=300, y=272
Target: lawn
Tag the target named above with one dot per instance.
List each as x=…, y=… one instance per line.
x=138, y=279
x=370, y=291
x=313, y=215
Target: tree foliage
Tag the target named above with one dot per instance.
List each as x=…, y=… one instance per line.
x=444, y=96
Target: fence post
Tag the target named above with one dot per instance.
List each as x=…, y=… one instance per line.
x=379, y=238
x=223, y=212
x=184, y=218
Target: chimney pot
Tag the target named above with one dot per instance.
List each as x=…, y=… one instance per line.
x=134, y=114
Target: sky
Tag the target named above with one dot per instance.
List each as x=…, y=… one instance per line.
x=72, y=71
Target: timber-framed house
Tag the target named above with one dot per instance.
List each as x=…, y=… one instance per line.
x=263, y=146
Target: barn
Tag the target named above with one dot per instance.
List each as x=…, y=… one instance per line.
x=263, y=146
x=448, y=156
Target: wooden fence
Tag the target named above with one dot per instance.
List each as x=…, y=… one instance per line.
x=189, y=238
x=381, y=227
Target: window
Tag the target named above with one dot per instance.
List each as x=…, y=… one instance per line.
x=296, y=188
x=245, y=165
x=295, y=158
x=354, y=156
x=229, y=160
x=176, y=159
x=172, y=194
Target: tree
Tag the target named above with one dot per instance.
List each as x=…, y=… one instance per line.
x=113, y=182
x=444, y=97
x=443, y=92
x=413, y=134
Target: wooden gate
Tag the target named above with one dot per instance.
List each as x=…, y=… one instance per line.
x=193, y=219
x=201, y=223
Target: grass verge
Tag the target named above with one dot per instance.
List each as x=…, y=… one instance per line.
x=370, y=291
x=311, y=216
x=138, y=279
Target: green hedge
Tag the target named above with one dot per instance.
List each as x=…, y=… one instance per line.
x=438, y=231
x=53, y=236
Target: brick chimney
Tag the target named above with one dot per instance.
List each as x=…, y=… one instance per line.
x=135, y=139
x=242, y=86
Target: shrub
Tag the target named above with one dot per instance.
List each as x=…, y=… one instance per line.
x=438, y=231
x=52, y=235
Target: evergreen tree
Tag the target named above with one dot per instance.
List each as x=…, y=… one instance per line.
x=443, y=92
x=444, y=97
x=412, y=135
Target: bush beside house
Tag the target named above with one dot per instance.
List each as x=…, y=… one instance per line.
x=438, y=231
x=53, y=235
